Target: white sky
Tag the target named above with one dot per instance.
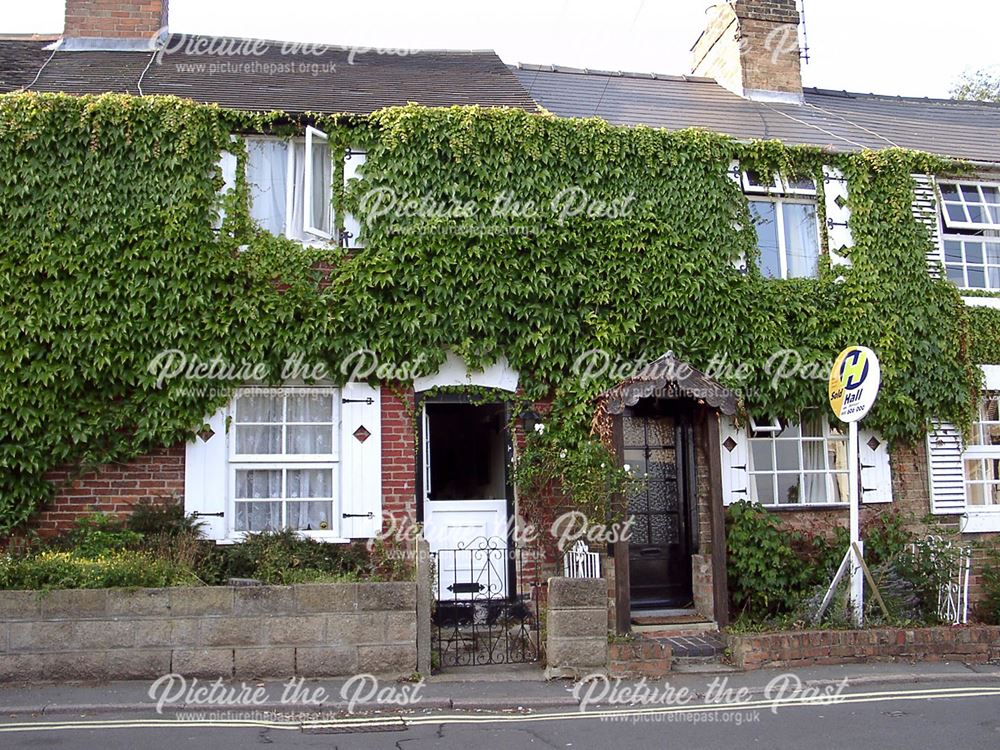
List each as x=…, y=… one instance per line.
x=907, y=47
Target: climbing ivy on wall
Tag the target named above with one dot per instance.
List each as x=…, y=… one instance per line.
x=109, y=256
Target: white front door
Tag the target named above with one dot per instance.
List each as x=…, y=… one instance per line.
x=464, y=497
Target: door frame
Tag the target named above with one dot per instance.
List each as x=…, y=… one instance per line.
x=704, y=423
x=683, y=416
x=446, y=397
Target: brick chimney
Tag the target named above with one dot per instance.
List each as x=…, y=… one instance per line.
x=752, y=48
x=119, y=22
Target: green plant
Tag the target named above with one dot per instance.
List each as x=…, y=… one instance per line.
x=65, y=570
x=989, y=609
x=101, y=195
x=163, y=517
x=284, y=557
x=765, y=574
x=99, y=533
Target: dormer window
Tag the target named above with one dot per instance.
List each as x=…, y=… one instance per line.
x=784, y=213
x=970, y=218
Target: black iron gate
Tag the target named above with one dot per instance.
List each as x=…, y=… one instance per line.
x=486, y=604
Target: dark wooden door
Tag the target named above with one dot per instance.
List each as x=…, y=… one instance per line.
x=656, y=448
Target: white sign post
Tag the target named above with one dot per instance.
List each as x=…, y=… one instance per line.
x=854, y=382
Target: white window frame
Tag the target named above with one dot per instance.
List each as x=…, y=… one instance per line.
x=314, y=134
x=981, y=452
x=320, y=237
x=770, y=436
x=286, y=461
x=950, y=223
x=779, y=186
x=779, y=221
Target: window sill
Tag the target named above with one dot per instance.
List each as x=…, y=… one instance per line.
x=238, y=538
x=798, y=508
x=980, y=521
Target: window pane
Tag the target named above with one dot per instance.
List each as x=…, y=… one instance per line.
x=801, y=182
x=756, y=179
x=787, y=454
x=309, y=483
x=977, y=277
x=258, y=484
x=321, y=195
x=976, y=213
x=837, y=455
x=955, y=212
x=788, y=489
x=812, y=424
x=813, y=455
x=258, y=407
x=956, y=275
x=974, y=252
x=761, y=454
x=765, y=488
x=255, y=440
x=840, y=484
x=310, y=439
x=949, y=192
x=952, y=251
x=258, y=516
x=814, y=487
x=310, y=407
x=763, y=214
x=312, y=516
x=991, y=193
x=970, y=192
x=801, y=239
x=993, y=252
x=267, y=167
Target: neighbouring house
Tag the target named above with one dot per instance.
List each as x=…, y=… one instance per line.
x=335, y=462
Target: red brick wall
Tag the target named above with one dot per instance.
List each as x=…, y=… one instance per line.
x=115, y=19
x=113, y=488
x=399, y=467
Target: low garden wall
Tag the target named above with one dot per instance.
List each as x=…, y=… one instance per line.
x=973, y=644
x=315, y=630
x=576, y=641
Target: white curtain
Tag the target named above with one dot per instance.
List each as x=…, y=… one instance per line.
x=267, y=175
x=321, y=196
x=258, y=485
x=801, y=239
x=814, y=488
x=313, y=515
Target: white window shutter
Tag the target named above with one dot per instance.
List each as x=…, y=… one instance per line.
x=925, y=210
x=837, y=215
x=361, y=461
x=944, y=465
x=353, y=162
x=735, y=474
x=205, y=476
x=876, y=476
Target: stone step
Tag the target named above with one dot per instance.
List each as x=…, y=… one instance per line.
x=680, y=629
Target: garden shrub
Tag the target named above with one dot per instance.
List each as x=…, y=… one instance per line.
x=64, y=570
x=765, y=574
x=989, y=609
x=98, y=534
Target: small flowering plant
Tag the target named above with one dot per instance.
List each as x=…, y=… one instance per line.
x=555, y=457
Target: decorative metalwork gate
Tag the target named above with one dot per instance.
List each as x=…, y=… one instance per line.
x=486, y=604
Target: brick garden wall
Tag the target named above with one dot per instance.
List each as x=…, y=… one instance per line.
x=974, y=644
x=315, y=630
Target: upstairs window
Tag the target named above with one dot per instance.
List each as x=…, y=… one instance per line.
x=291, y=187
x=785, y=217
x=970, y=217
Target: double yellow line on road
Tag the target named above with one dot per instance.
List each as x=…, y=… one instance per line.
x=400, y=722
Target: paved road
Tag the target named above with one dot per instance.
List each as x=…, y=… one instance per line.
x=962, y=715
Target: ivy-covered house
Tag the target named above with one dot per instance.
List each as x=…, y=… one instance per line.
x=346, y=290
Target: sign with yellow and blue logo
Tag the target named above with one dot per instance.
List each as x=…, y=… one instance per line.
x=854, y=382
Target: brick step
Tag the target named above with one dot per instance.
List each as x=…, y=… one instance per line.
x=669, y=631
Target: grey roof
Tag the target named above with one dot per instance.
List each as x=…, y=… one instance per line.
x=332, y=81
x=840, y=121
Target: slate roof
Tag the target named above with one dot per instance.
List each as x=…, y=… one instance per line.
x=333, y=81
x=837, y=120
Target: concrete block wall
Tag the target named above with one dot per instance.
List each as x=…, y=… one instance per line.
x=577, y=627
x=312, y=630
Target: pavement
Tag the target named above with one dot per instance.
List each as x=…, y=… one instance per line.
x=484, y=689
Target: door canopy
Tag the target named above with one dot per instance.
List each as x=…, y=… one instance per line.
x=669, y=378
